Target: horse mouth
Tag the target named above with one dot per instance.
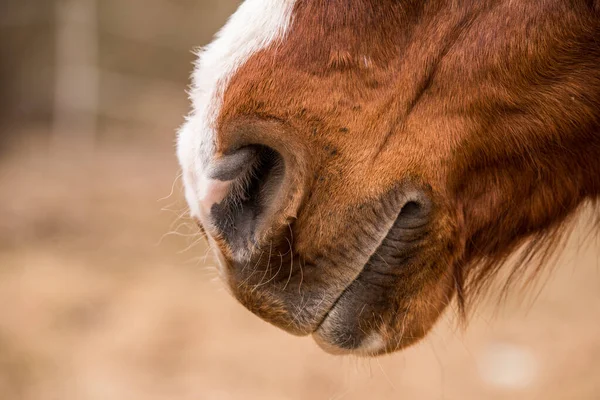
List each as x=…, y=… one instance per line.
x=358, y=311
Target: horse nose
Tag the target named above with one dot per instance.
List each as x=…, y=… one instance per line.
x=239, y=194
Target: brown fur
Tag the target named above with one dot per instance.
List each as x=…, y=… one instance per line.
x=490, y=107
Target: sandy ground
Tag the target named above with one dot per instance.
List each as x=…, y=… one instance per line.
x=106, y=294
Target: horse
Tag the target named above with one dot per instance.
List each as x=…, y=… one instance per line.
x=359, y=165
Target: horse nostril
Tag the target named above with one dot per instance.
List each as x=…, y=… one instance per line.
x=233, y=165
x=414, y=214
x=412, y=209
x=254, y=173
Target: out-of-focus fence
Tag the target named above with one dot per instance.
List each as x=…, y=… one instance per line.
x=82, y=65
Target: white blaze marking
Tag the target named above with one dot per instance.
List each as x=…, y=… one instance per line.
x=254, y=26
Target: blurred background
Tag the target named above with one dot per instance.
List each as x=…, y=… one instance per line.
x=106, y=291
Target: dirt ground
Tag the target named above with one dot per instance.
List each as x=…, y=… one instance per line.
x=106, y=293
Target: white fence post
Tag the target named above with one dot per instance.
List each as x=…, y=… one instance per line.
x=77, y=74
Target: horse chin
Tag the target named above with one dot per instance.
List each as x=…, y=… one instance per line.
x=338, y=337
x=371, y=320
x=374, y=346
